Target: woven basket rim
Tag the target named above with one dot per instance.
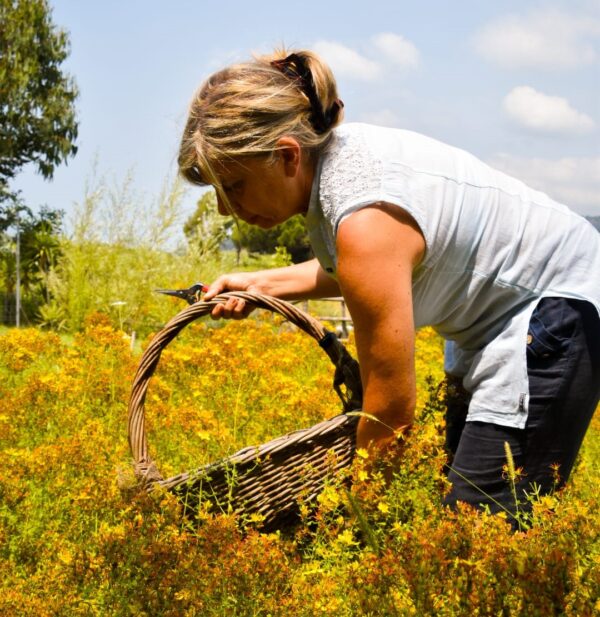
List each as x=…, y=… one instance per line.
x=145, y=468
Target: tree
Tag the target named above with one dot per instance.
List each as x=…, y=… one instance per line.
x=39, y=249
x=206, y=229
x=37, y=113
x=254, y=239
x=292, y=235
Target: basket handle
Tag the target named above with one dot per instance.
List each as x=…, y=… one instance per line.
x=346, y=374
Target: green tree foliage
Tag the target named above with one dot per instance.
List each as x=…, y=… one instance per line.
x=254, y=239
x=294, y=237
x=291, y=235
x=40, y=250
x=37, y=113
x=206, y=229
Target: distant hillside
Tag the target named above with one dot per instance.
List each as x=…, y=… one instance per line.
x=595, y=221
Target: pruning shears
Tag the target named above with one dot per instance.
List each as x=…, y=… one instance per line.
x=190, y=295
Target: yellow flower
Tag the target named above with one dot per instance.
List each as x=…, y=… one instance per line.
x=184, y=594
x=548, y=501
x=329, y=498
x=256, y=517
x=65, y=556
x=383, y=507
x=397, y=527
x=346, y=538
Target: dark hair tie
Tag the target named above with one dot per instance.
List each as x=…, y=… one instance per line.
x=296, y=68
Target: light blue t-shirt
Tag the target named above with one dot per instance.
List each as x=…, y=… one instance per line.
x=494, y=247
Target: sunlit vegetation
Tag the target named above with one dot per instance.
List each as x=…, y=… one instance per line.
x=77, y=538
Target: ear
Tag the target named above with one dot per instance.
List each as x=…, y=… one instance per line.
x=290, y=153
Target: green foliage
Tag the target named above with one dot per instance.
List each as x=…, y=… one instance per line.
x=253, y=238
x=206, y=230
x=291, y=235
x=37, y=114
x=37, y=125
x=294, y=237
x=40, y=250
x=39, y=243
x=122, y=249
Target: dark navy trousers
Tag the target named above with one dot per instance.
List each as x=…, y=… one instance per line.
x=563, y=365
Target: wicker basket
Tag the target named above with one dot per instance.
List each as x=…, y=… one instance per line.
x=271, y=479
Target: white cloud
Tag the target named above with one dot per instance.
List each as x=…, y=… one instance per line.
x=389, y=49
x=382, y=117
x=347, y=62
x=397, y=49
x=544, y=39
x=541, y=112
x=572, y=181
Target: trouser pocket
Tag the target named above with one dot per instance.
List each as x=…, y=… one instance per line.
x=551, y=328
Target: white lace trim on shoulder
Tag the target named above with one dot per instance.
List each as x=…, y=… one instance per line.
x=350, y=173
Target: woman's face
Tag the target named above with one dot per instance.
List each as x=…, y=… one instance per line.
x=266, y=191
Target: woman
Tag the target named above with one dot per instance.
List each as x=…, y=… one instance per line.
x=413, y=232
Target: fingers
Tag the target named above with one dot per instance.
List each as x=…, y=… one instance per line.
x=239, y=281
x=216, y=288
x=233, y=308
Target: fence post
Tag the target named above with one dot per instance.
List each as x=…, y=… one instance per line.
x=344, y=324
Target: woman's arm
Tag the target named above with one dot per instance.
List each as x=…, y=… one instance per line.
x=378, y=248
x=303, y=281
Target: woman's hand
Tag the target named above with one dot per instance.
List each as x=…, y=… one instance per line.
x=234, y=308
x=302, y=281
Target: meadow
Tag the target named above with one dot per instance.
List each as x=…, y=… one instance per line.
x=78, y=538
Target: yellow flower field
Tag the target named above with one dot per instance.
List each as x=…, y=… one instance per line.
x=77, y=538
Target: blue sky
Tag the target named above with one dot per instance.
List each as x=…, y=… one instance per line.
x=517, y=83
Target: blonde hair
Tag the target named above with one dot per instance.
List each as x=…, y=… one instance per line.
x=242, y=111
